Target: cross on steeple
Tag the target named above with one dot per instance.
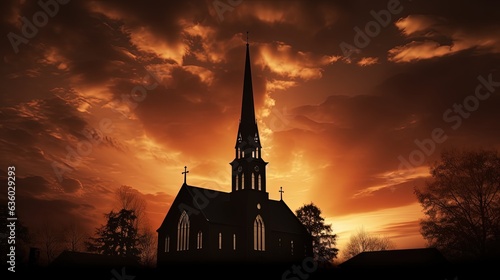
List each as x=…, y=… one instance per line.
x=281, y=193
x=185, y=173
x=249, y=169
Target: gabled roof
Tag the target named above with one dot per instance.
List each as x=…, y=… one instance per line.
x=420, y=257
x=215, y=211
x=284, y=219
x=219, y=210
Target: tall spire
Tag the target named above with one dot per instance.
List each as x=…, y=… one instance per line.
x=249, y=169
x=248, y=132
x=247, y=106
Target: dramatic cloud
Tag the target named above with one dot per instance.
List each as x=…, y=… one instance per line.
x=435, y=37
x=71, y=185
x=281, y=59
x=114, y=93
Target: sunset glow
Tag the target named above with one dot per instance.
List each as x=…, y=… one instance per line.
x=130, y=92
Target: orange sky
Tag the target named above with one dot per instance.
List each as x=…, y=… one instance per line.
x=105, y=94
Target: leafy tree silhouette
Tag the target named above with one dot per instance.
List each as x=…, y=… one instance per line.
x=323, y=240
x=131, y=199
x=118, y=237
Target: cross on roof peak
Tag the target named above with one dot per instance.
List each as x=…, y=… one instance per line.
x=185, y=173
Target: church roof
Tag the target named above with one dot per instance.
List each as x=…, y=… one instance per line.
x=219, y=209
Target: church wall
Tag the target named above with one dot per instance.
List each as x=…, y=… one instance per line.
x=197, y=222
x=278, y=244
x=279, y=247
x=227, y=252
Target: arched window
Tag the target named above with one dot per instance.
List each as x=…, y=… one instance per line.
x=242, y=181
x=167, y=244
x=183, y=232
x=258, y=182
x=220, y=240
x=199, y=240
x=291, y=247
x=237, y=183
x=253, y=181
x=234, y=241
x=259, y=233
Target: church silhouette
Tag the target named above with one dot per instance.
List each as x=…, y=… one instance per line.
x=243, y=226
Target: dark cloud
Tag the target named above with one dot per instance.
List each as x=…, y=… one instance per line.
x=338, y=124
x=198, y=115
x=42, y=116
x=71, y=185
x=31, y=185
x=364, y=135
x=58, y=212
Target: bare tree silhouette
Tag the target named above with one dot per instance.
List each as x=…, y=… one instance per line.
x=50, y=239
x=131, y=199
x=73, y=235
x=462, y=204
x=362, y=241
x=148, y=242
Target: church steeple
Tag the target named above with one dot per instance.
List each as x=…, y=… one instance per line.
x=248, y=166
x=247, y=130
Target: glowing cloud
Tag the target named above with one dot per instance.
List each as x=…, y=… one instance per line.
x=367, y=61
x=283, y=60
x=413, y=24
x=431, y=28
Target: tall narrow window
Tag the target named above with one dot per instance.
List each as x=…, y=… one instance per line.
x=199, y=240
x=167, y=244
x=183, y=232
x=234, y=241
x=242, y=181
x=237, y=183
x=257, y=182
x=291, y=247
x=253, y=181
x=259, y=234
x=220, y=240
